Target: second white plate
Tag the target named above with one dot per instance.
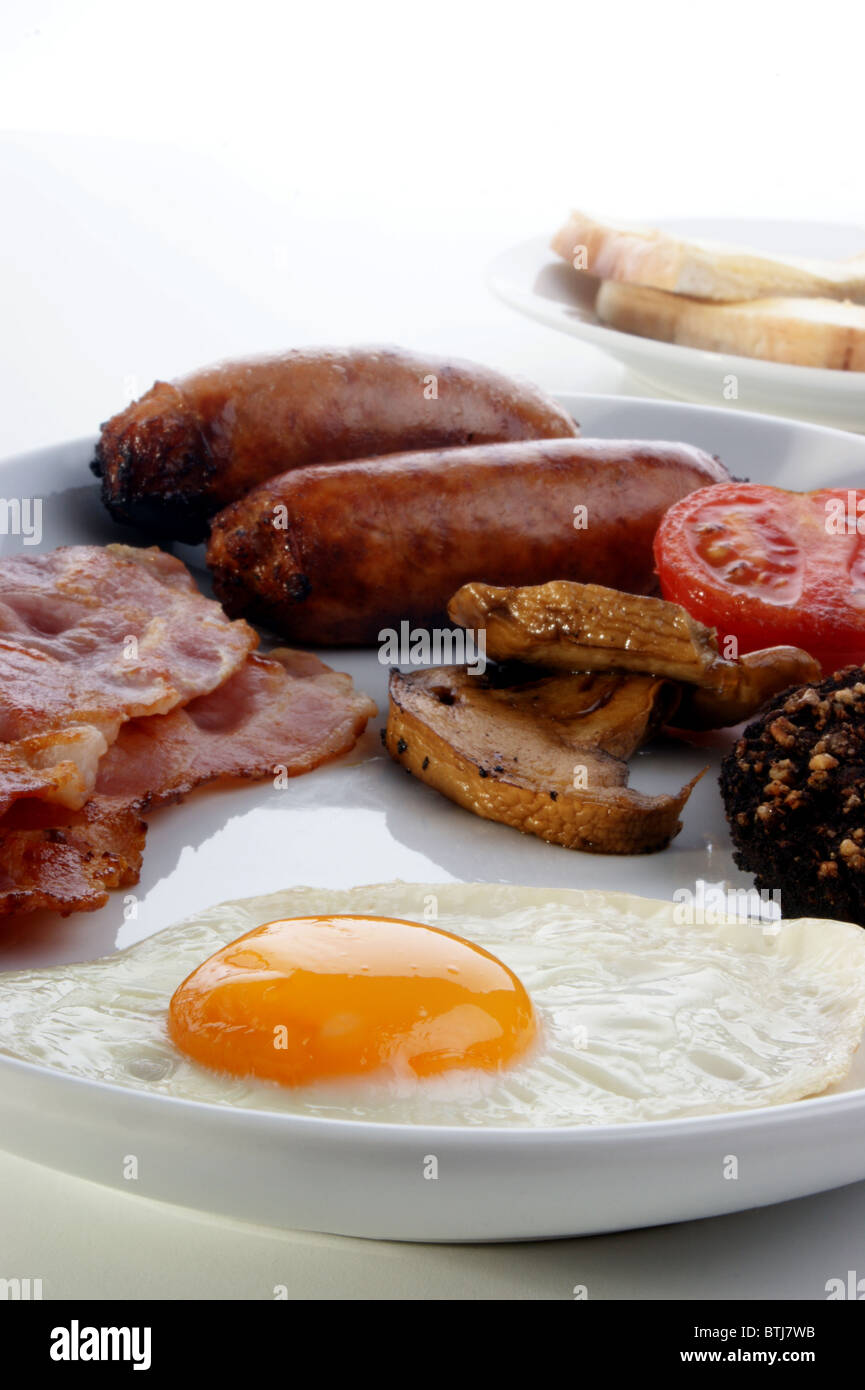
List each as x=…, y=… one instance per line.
x=539, y=284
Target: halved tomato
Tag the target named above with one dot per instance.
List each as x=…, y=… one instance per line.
x=768, y=567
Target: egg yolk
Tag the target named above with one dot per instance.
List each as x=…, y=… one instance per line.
x=310, y=998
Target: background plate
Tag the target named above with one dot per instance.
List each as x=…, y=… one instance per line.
x=363, y=821
x=538, y=283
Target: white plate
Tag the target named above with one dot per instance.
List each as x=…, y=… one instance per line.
x=532, y=279
x=363, y=821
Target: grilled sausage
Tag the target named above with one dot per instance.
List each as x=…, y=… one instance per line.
x=331, y=556
x=186, y=449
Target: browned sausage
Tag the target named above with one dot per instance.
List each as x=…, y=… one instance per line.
x=331, y=556
x=173, y=458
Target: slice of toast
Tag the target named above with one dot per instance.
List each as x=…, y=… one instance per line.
x=702, y=269
x=802, y=332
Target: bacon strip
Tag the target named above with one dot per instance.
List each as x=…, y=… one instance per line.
x=286, y=711
x=67, y=860
x=284, y=714
x=91, y=636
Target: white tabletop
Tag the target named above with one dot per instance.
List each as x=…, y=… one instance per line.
x=84, y=1241
x=350, y=184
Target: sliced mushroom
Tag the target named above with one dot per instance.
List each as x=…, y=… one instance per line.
x=585, y=627
x=742, y=687
x=545, y=756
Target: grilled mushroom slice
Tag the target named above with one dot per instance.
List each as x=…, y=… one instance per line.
x=586, y=627
x=545, y=756
x=740, y=688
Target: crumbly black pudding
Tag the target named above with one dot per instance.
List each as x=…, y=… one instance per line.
x=794, y=790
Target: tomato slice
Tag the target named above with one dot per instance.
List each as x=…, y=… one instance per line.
x=768, y=567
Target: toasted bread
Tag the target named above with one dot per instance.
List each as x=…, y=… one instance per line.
x=803, y=332
x=703, y=269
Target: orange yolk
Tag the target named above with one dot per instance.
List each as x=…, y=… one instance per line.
x=308, y=998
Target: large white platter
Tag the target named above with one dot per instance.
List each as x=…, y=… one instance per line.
x=534, y=280
x=363, y=821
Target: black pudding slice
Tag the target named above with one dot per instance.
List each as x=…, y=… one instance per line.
x=794, y=792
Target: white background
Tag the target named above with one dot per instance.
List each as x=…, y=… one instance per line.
x=182, y=182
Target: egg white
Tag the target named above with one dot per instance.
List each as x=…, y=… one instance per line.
x=641, y=1017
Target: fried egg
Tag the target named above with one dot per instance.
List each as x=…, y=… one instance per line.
x=456, y=1004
